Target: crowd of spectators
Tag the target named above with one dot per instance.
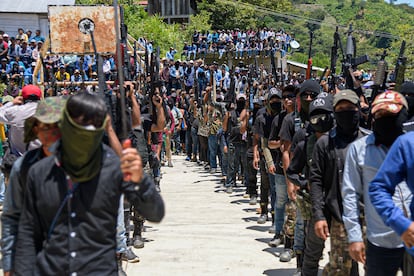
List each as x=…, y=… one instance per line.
x=20, y=52
x=236, y=43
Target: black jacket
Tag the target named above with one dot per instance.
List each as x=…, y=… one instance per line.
x=83, y=239
x=328, y=160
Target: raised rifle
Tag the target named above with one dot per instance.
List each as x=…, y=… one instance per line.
x=272, y=62
x=334, y=59
x=350, y=61
x=400, y=66
x=127, y=67
x=309, y=68
x=380, y=77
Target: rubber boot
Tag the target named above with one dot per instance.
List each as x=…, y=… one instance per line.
x=137, y=240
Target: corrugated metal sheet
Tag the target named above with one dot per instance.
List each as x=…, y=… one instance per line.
x=65, y=36
x=30, y=6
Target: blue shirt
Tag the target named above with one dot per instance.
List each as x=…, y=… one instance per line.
x=363, y=160
x=397, y=167
x=170, y=55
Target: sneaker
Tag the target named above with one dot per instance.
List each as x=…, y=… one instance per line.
x=276, y=241
x=121, y=271
x=129, y=256
x=170, y=164
x=246, y=195
x=272, y=229
x=229, y=190
x=187, y=158
x=262, y=219
x=253, y=200
x=138, y=242
x=213, y=171
x=287, y=255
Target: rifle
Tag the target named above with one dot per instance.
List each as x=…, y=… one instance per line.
x=272, y=61
x=136, y=74
x=380, y=77
x=250, y=92
x=334, y=58
x=350, y=61
x=155, y=80
x=309, y=68
x=127, y=68
x=400, y=68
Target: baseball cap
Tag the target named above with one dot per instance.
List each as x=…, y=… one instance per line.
x=324, y=103
x=346, y=95
x=407, y=88
x=48, y=111
x=30, y=90
x=274, y=92
x=390, y=101
x=257, y=101
x=310, y=85
x=5, y=35
x=32, y=40
x=240, y=96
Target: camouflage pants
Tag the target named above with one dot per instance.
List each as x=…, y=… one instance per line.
x=304, y=205
x=289, y=225
x=340, y=262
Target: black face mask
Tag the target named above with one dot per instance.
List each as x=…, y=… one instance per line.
x=347, y=121
x=275, y=107
x=322, y=122
x=387, y=129
x=240, y=105
x=410, y=101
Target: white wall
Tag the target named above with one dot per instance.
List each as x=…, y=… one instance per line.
x=10, y=22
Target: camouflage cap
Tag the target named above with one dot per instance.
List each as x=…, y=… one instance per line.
x=48, y=111
x=390, y=101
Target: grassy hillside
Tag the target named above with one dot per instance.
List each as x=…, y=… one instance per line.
x=378, y=25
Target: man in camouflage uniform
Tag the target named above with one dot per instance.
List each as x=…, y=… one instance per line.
x=293, y=130
x=321, y=121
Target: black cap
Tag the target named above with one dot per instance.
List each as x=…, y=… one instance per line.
x=310, y=85
x=274, y=92
x=407, y=88
x=324, y=103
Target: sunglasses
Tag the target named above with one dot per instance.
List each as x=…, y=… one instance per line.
x=314, y=119
x=305, y=94
x=288, y=96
